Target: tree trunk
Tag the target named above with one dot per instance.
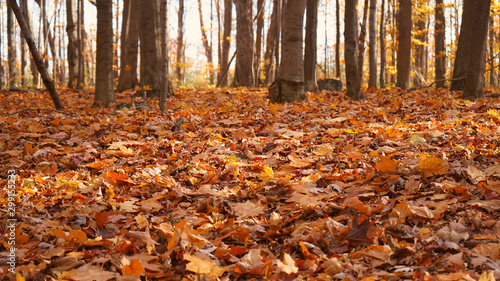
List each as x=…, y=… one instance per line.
x=244, y=74
x=310, y=57
x=180, y=43
x=372, y=52
x=11, y=44
x=382, y=46
x=361, y=48
x=476, y=57
x=337, y=43
x=104, y=57
x=421, y=38
x=351, y=45
x=127, y=78
x=439, y=38
x=47, y=81
x=270, y=41
x=462, y=52
x=72, y=30
x=150, y=46
x=80, y=80
x=277, y=44
x=164, y=54
x=226, y=43
x=258, y=40
x=289, y=86
x=491, y=37
x=207, y=45
x=404, y=50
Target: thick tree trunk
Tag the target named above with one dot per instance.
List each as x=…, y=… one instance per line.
x=372, y=49
x=127, y=78
x=180, y=43
x=404, y=50
x=462, y=52
x=382, y=46
x=150, y=46
x=72, y=30
x=47, y=81
x=244, y=74
x=270, y=41
x=351, y=45
x=11, y=44
x=310, y=56
x=226, y=43
x=164, y=55
x=207, y=45
x=476, y=57
x=289, y=86
x=104, y=57
x=439, y=47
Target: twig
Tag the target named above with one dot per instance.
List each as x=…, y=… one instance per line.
x=440, y=80
x=41, y=109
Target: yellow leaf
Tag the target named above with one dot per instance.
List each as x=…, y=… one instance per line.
x=386, y=164
x=275, y=107
x=349, y=131
x=77, y=236
x=267, y=173
x=432, y=166
x=135, y=268
x=19, y=277
x=199, y=265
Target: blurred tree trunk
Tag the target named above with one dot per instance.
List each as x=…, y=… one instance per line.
x=258, y=40
x=49, y=84
x=337, y=42
x=164, y=55
x=382, y=46
x=226, y=43
x=361, y=46
x=372, y=48
x=150, y=46
x=48, y=37
x=439, y=47
x=421, y=40
x=289, y=86
x=476, y=55
x=180, y=43
x=310, y=56
x=80, y=79
x=279, y=36
x=404, y=50
x=270, y=42
x=491, y=37
x=127, y=78
x=462, y=52
x=11, y=50
x=353, y=82
x=244, y=74
x=206, y=45
x=104, y=54
x=72, y=30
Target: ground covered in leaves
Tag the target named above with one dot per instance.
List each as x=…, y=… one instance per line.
x=225, y=186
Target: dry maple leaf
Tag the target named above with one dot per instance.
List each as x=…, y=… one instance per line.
x=386, y=164
x=430, y=166
x=358, y=235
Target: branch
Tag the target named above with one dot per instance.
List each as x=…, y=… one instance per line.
x=440, y=80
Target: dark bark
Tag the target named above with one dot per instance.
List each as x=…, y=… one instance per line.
x=244, y=74
x=404, y=50
x=382, y=46
x=351, y=45
x=361, y=43
x=461, y=54
x=180, y=43
x=47, y=81
x=72, y=31
x=258, y=40
x=80, y=80
x=127, y=78
x=104, y=57
x=289, y=86
x=476, y=58
x=337, y=42
x=150, y=46
x=164, y=55
x=226, y=42
x=439, y=47
x=270, y=41
x=372, y=52
x=11, y=44
x=491, y=37
x=310, y=52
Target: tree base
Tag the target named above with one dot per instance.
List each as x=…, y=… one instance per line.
x=282, y=91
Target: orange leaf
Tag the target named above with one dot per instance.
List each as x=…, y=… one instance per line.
x=135, y=268
x=77, y=236
x=386, y=164
x=432, y=166
x=101, y=219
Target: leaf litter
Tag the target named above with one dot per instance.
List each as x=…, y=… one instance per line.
x=225, y=186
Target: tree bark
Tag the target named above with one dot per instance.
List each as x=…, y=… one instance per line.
x=372, y=52
x=72, y=31
x=104, y=57
x=310, y=56
x=476, y=58
x=150, y=46
x=491, y=37
x=244, y=74
x=11, y=44
x=258, y=41
x=462, y=52
x=382, y=46
x=337, y=43
x=404, y=50
x=80, y=80
x=164, y=55
x=289, y=86
x=351, y=45
x=270, y=41
x=207, y=46
x=361, y=46
x=226, y=43
x=47, y=81
x=180, y=43
x=127, y=78
x=439, y=50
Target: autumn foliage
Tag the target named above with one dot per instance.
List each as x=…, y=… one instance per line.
x=399, y=186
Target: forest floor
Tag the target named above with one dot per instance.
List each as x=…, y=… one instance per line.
x=225, y=186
